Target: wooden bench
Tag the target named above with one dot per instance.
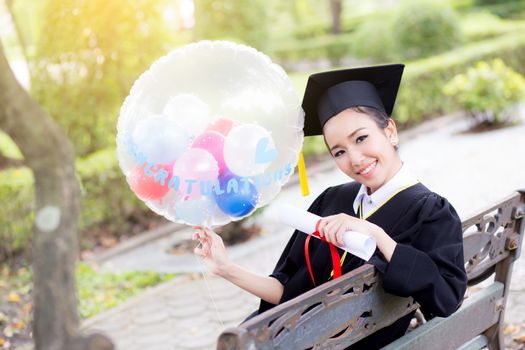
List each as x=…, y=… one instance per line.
x=339, y=313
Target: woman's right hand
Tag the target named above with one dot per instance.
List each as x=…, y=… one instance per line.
x=211, y=250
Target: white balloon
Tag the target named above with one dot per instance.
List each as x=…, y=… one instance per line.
x=249, y=149
x=160, y=139
x=191, y=113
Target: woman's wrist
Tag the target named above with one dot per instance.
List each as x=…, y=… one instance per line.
x=385, y=243
x=226, y=270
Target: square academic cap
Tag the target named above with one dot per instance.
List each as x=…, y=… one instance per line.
x=329, y=93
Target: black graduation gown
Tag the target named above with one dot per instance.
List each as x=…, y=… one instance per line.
x=427, y=263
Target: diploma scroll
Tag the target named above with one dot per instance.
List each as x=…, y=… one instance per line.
x=356, y=243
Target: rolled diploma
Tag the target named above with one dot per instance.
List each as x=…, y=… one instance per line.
x=356, y=243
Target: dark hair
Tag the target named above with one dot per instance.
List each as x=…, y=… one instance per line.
x=379, y=117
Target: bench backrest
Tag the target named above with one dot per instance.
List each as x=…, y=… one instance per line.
x=339, y=313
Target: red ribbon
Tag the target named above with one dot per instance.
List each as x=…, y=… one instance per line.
x=333, y=252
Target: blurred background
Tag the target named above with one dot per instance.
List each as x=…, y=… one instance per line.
x=79, y=58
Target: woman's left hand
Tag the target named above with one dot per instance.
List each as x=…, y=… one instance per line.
x=332, y=227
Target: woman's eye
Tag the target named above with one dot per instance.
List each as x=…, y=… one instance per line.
x=361, y=138
x=338, y=153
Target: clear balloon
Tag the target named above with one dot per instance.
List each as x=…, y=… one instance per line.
x=209, y=133
x=195, y=211
x=160, y=139
x=221, y=125
x=193, y=115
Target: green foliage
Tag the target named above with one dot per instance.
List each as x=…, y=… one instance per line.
x=484, y=25
x=330, y=46
x=424, y=28
x=87, y=59
x=16, y=212
x=421, y=94
x=510, y=9
x=421, y=97
x=374, y=40
x=237, y=20
x=488, y=91
x=314, y=145
x=492, y=2
x=8, y=147
x=99, y=291
x=106, y=198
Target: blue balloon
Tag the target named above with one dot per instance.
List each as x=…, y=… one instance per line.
x=236, y=196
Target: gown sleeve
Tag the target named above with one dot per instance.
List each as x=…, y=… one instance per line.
x=431, y=267
x=291, y=258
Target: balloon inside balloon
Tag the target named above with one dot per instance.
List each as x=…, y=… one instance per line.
x=209, y=133
x=239, y=196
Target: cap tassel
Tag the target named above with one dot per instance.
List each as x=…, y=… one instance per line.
x=303, y=180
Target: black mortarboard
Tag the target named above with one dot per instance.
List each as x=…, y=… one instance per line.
x=329, y=93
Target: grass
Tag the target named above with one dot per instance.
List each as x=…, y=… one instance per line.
x=97, y=290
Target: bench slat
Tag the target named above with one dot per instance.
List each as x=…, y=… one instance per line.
x=477, y=343
x=477, y=313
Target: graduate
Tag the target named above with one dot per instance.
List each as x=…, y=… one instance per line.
x=418, y=232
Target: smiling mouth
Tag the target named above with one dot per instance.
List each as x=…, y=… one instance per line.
x=368, y=169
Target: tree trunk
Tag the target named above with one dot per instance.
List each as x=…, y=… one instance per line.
x=49, y=154
x=336, y=8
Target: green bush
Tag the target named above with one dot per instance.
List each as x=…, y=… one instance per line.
x=504, y=9
x=483, y=25
x=375, y=40
x=421, y=29
x=488, y=91
x=243, y=21
x=492, y=2
x=16, y=212
x=106, y=198
x=421, y=96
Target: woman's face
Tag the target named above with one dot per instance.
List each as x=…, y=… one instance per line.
x=361, y=149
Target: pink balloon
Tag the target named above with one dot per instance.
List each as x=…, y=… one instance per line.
x=213, y=142
x=196, y=168
x=221, y=125
x=150, y=181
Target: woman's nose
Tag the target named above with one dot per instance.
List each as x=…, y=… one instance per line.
x=356, y=158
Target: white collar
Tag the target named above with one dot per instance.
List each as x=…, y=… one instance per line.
x=401, y=179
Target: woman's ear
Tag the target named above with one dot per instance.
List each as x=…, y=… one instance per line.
x=391, y=130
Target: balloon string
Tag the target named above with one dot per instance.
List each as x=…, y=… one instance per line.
x=203, y=273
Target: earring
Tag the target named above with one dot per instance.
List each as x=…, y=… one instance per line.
x=393, y=142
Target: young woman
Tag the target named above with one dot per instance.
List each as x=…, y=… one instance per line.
x=418, y=233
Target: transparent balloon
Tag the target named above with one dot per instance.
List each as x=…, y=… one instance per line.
x=209, y=133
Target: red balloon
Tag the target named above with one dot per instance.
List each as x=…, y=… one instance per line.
x=150, y=181
x=221, y=125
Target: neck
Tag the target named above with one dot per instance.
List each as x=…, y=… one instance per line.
x=396, y=169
